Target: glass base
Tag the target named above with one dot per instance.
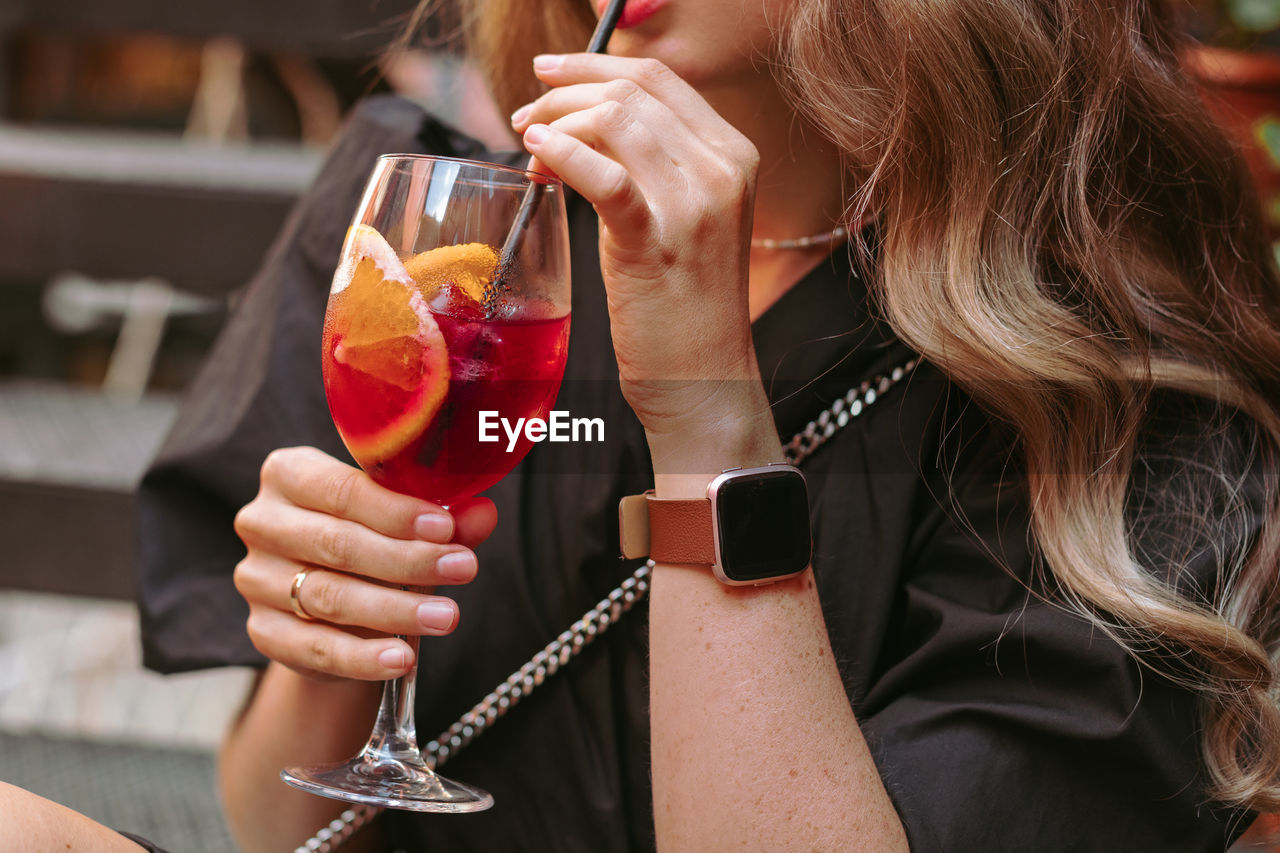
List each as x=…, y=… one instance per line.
x=388, y=782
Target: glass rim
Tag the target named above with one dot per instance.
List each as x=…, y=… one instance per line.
x=531, y=176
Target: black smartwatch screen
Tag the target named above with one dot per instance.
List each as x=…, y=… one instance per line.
x=762, y=525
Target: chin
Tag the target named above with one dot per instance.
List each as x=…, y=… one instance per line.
x=673, y=54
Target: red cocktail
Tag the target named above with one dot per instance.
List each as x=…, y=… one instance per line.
x=408, y=394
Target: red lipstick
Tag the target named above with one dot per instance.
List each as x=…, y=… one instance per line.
x=636, y=12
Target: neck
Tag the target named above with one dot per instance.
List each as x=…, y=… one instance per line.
x=801, y=188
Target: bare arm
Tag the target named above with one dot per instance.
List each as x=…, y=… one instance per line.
x=290, y=719
x=34, y=823
x=748, y=714
x=754, y=744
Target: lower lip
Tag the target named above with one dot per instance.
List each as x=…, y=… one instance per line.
x=635, y=13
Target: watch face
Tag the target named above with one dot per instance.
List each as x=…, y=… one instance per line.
x=762, y=524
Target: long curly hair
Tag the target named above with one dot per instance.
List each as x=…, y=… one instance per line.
x=1076, y=239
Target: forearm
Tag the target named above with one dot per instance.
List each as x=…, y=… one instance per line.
x=34, y=823
x=289, y=720
x=754, y=743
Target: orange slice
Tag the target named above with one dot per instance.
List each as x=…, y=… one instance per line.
x=390, y=366
x=454, y=271
x=364, y=241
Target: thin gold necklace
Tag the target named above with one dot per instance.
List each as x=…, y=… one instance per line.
x=827, y=238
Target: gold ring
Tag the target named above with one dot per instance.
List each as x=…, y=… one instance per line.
x=294, y=602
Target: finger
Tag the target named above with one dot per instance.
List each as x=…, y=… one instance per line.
x=612, y=130
x=601, y=180
x=309, y=537
x=566, y=100
x=536, y=165
x=311, y=478
x=317, y=647
x=650, y=75
x=475, y=519
x=343, y=599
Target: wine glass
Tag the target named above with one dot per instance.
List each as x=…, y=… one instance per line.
x=450, y=305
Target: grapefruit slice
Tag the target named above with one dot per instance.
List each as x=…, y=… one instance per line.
x=390, y=366
x=454, y=278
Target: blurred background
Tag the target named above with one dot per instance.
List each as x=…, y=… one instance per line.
x=149, y=151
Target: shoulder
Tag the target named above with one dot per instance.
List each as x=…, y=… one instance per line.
x=392, y=124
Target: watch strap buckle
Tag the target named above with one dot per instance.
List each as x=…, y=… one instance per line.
x=633, y=526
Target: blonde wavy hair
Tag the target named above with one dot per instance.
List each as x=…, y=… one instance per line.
x=1076, y=239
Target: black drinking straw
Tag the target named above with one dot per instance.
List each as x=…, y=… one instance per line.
x=599, y=41
x=604, y=27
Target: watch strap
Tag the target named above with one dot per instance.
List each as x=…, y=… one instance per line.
x=669, y=531
x=680, y=531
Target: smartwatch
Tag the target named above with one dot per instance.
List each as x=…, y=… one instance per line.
x=752, y=528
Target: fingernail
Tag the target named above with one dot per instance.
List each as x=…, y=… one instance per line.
x=537, y=134
x=393, y=658
x=436, y=615
x=521, y=114
x=457, y=566
x=547, y=61
x=434, y=527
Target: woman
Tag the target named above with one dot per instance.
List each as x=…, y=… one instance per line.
x=1042, y=612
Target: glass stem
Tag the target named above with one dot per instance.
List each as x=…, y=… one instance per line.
x=395, y=736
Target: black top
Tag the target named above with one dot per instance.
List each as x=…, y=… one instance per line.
x=998, y=722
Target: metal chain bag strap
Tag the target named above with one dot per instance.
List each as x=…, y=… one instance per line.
x=595, y=621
